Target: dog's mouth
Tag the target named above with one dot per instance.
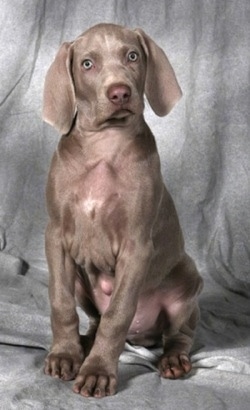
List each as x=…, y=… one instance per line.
x=119, y=117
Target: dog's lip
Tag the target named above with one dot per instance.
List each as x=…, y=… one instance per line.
x=119, y=117
x=120, y=114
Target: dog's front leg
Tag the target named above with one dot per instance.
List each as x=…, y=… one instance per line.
x=66, y=355
x=98, y=374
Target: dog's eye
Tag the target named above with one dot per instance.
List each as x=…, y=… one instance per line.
x=133, y=56
x=87, y=64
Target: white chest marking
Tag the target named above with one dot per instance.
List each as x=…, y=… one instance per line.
x=90, y=204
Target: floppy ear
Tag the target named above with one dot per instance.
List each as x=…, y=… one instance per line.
x=59, y=106
x=161, y=86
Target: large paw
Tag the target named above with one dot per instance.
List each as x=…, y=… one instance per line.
x=95, y=380
x=64, y=366
x=174, y=365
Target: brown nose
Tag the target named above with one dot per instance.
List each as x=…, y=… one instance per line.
x=119, y=94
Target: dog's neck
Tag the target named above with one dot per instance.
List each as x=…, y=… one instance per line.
x=87, y=125
x=109, y=143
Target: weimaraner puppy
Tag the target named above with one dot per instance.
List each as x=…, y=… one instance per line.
x=113, y=242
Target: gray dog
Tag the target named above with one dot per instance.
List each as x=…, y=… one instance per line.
x=113, y=243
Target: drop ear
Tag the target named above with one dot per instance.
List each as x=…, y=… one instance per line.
x=59, y=106
x=161, y=87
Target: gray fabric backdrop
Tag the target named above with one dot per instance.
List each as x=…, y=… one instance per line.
x=204, y=147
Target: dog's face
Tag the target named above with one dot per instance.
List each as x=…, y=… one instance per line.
x=102, y=76
x=109, y=70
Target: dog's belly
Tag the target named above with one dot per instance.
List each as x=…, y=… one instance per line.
x=149, y=320
x=150, y=317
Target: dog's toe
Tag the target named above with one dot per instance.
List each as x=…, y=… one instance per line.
x=174, y=366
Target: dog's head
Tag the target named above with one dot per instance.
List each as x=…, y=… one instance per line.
x=101, y=77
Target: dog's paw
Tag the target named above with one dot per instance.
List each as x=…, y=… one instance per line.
x=95, y=380
x=64, y=366
x=174, y=366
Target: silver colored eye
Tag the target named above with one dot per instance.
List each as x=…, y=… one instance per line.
x=87, y=64
x=133, y=56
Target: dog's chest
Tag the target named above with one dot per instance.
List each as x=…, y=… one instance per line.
x=107, y=204
x=96, y=190
x=96, y=215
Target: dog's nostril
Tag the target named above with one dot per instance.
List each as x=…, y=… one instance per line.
x=119, y=94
